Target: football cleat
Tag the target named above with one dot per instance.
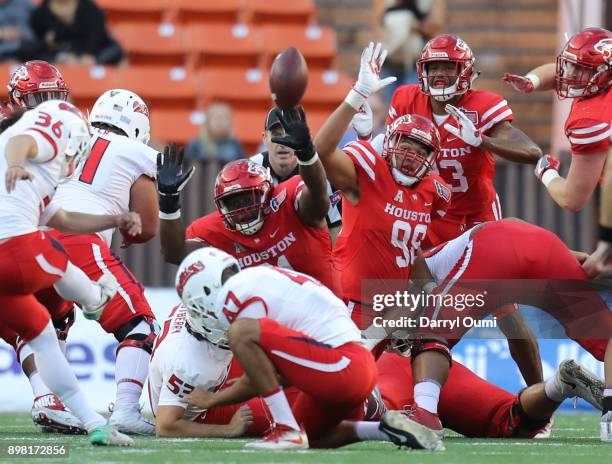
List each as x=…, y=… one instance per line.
x=50, y=413
x=281, y=438
x=416, y=428
x=606, y=427
x=581, y=382
x=108, y=286
x=107, y=435
x=546, y=431
x=130, y=420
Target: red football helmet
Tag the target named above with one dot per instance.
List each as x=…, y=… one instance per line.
x=447, y=47
x=584, y=66
x=35, y=82
x=243, y=190
x=410, y=162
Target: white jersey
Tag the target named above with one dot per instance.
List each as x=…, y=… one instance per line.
x=21, y=210
x=102, y=184
x=181, y=362
x=292, y=299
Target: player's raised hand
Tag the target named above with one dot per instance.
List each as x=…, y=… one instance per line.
x=363, y=122
x=241, y=421
x=129, y=222
x=15, y=173
x=171, y=179
x=519, y=83
x=369, y=81
x=297, y=135
x=466, y=129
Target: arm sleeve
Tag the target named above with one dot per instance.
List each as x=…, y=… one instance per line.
x=496, y=111
x=364, y=160
x=588, y=136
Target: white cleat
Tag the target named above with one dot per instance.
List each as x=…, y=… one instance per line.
x=281, y=438
x=403, y=431
x=581, y=382
x=50, y=413
x=108, y=286
x=131, y=420
x=546, y=431
x=107, y=435
x=606, y=427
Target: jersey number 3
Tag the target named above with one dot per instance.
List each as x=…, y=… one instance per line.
x=401, y=236
x=93, y=162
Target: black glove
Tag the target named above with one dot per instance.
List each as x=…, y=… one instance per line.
x=171, y=179
x=297, y=134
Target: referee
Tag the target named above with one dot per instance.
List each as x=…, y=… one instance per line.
x=283, y=165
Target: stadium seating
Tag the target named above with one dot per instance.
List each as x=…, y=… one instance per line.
x=243, y=89
x=280, y=11
x=179, y=126
x=204, y=12
x=149, y=11
x=225, y=45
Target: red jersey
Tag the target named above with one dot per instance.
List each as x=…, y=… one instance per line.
x=588, y=125
x=284, y=240
x=383, y=231
x=468, y=170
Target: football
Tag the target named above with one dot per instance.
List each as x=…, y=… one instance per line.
x=288, y=78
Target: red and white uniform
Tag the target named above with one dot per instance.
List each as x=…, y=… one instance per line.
x=29, y=259
x=469, y=405
x=381, y=234
x=588, y=125
x=468, y=170
x=102, y=186
x=284, y=240
x=514, y=262
x=308, y=335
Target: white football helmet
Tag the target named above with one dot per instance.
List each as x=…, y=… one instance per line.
x=124, y=110
x=198, y=282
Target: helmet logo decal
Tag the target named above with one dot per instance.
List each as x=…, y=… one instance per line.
x=604, y=46
x=113, y=93
x=140, y=108
x=187, y=274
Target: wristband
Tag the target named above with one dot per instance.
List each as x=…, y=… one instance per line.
x=309, y=162
x=605, y=234
x=548, y=176
x=169, y=203
x=355, y=99
x=535, y=80
x=170, y=216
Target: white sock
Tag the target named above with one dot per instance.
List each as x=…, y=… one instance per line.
x=368, y=431
x=131, y=369
x=57, y=375
x=427, y=395
x=280, y=409
x=554, y=390
x=38, y=386
x=76, y=286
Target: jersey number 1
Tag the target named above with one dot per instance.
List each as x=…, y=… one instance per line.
x=91, y=165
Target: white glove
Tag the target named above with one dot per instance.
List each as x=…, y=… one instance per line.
x=369, y=80
x=363, y=122
x=466, y=131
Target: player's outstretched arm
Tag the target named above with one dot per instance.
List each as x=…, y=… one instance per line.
x=523, y=347
x=240, y=391
x=170, y=423
x=69, y=222
x=503, y=139
x=170, y=181
x=314, y=200
x=338, y=165
x=538, y=79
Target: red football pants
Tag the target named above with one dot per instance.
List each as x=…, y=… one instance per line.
x=334, y=383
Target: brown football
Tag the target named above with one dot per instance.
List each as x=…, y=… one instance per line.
x=288, y=78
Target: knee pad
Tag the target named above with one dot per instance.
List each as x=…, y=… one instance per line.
x=63, y=324
x=138, y=333
x=421, y=346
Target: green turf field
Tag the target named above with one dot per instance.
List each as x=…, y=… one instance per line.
x=575, y=440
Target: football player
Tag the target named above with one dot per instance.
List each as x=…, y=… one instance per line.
x=118, y=177
x=255, y=221
x=533, y=266
x=389, y=198
x=291, y=328
x=282, y=163
x=583, y=72
x=192, y=352
x=39, y=151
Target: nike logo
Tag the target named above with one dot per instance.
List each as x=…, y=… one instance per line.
x=273, y=234
x=450, y=139
x=427, y=204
